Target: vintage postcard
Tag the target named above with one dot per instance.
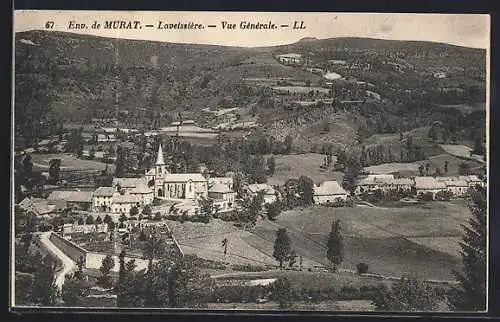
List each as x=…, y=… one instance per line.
x=250, y=160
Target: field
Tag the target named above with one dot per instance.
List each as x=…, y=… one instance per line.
x=386, y=168
x=69, y=162
x=300, y=89
x=418, y=240
x=461, y=151
x=295, y=165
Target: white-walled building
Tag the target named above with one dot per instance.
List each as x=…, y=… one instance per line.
x=123, y=203
x=269, y=192
x=425, y=185
x=329, y=191
x=222, y=196
x=102, y=199
x=459, y=188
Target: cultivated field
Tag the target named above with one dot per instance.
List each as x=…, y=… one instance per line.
x=386, y=168
x=419, y=240
x=295, y=165
x=69, y=162
x=461, y=151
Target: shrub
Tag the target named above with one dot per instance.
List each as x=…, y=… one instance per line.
x=362, y=268
x=142, y=236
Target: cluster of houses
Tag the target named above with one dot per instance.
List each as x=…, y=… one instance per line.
x=186, y=190
x=458, y=186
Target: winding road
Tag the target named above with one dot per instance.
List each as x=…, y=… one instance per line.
x=68, y=265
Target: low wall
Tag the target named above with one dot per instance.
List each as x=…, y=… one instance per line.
x=69, y=248
x=94, y=260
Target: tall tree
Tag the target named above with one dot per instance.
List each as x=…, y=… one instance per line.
x=108, y=263
x=54, y=170
x=121, y=162
x=282, y=246
x=471, y=295
x=271, y=165
x=335, y=245
x=306, y=191
x=45, y=291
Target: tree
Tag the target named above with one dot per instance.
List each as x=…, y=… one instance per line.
x=407, y=295
x=133, y=211
x=463, y=169
x=74, y=291
x=90, y=220
x=446, y=166
x=471, y=294
x=45, y=290
x=27, y=167
x=108, y=263
x=122, y=218
x=306, y=191
x=421, y=170
x=98, y=221
x=273, y=210
x=153, y=249
x=224, y=244
x=147, y=212
x=206, y=209
x=308, y=83
x=335, y=246
x=281, y=291
x=81, y=221
x=427, y=167
x=271, y=165
x=54, y=169
x=121, y=271
x=362, y=268
x=282, y=246
x=121, y=162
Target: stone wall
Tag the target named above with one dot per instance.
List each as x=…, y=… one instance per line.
x=69, y=248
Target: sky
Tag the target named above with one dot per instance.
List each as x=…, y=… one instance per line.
x=469, y=30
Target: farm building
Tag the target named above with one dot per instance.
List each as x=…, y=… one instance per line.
x=38, y=206
x=290, y=58
x=77, y=200
x=223, y=196
x=328, y=191
x=473, y=180
x=227, y=181
x=270, y=195
x=102, y=199
x=431, y=185
x=458, y=188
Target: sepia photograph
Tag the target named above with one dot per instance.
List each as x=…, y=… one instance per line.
x=276, y=162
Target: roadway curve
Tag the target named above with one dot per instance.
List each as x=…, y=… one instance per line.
x=68, y=265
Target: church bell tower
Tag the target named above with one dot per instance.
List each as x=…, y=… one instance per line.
x=160, y=173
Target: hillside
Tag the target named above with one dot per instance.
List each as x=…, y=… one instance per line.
x=64, y=77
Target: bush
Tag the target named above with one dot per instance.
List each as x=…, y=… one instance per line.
x=362, y=268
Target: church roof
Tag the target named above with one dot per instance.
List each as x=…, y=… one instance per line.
x=159, y=158
x=184, y=177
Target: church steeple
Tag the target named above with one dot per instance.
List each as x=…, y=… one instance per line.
x=159, y=158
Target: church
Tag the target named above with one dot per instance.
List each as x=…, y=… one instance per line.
x=175, y=186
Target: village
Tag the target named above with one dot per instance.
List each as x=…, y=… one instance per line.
x=304, y=167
